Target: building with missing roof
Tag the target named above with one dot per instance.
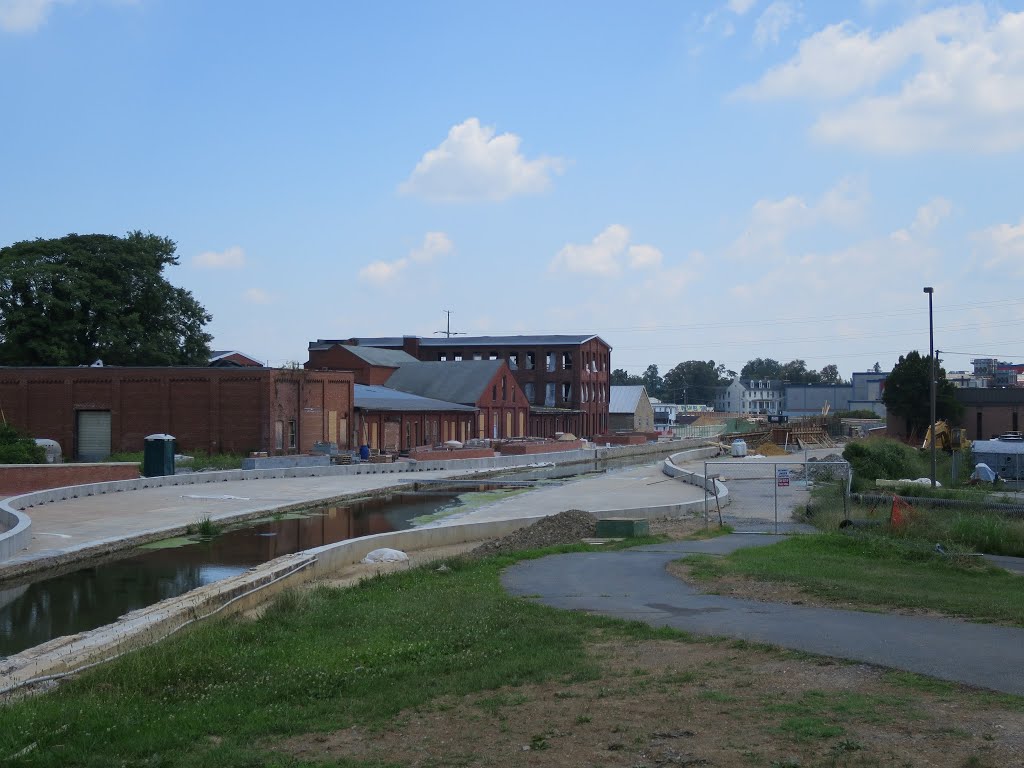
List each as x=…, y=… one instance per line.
x=564, y=378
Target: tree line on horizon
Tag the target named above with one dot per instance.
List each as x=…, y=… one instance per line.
x=698, y=381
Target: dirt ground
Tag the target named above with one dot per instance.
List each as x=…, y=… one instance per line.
x=669, y=703
x=676, y=703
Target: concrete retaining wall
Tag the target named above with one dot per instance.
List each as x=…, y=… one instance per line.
x=18, y=534
x=239, y=593
x=671, y=468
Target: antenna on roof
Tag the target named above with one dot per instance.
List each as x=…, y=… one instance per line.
x=449, y=332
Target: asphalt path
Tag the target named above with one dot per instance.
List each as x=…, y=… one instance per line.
x=634, y=584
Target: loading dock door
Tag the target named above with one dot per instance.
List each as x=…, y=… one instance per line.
x=93, y=429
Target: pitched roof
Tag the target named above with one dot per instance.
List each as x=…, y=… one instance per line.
x=625, y=399
x=389, y=358
x=376, y=398
x=483, y=341
x=220, y=354
x=456, y=382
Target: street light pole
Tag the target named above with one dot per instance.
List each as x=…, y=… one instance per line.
x=932, y=374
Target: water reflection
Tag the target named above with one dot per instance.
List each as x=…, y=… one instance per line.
x=33, y=613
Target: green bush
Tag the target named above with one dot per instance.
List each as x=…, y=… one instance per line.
x=882, y=458
x=16, y=448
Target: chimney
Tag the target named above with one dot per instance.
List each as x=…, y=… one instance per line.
x=411, y=346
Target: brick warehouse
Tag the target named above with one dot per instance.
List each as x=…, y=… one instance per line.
x=92, y=412
x=565, y=378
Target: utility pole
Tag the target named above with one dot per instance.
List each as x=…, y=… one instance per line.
x=932, y=374
x=448, y=332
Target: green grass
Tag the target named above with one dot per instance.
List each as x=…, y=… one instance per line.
x=877, y=571
x=967, y=529
x=317, y=660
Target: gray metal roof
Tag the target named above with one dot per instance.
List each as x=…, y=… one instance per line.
x=376, y=398
x=391, y=358
x=484, y=341
x=455, y=382
x=625, y=399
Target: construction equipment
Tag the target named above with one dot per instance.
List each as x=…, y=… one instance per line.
x=946, y=438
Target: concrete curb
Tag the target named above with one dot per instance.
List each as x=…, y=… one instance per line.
x=65, y=655
x=671, y=468
x=72, y=653
x=18, y=524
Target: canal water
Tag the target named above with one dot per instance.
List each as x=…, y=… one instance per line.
x=43, y=607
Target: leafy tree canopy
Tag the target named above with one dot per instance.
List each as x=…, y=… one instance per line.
x=78, y=298
x=761, y=368
x=695, y=381
x=907, y=393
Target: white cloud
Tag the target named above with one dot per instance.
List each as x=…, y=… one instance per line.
x=473, y=164
x=606, y=254
x=230, y=258
x=599, y=257
x=773, y=221
x=775, y=20
x=434, y=244
x=258, y=296
x=740, y=7
x=25, y=15
x=644, y=256
x=1001, y=248
x=952, y=78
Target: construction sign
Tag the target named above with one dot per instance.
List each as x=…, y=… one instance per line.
x=781, y=477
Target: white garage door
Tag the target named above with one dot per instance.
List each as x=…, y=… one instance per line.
x=93, y=435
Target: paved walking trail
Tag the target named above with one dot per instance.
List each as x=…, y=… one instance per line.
x=633, y=584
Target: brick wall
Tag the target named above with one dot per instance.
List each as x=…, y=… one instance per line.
x=24, y=478
x=528, y=449
x=212, y=410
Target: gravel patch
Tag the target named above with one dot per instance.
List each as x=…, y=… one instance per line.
x=566, y=527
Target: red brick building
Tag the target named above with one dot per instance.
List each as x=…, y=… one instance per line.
x=486, y=386
x=565, y=378
x=390, y=420
x=93, y=412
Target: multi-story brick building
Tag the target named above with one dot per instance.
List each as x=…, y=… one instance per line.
x=565, y=378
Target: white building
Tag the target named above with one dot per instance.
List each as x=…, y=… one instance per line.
x=754, y=397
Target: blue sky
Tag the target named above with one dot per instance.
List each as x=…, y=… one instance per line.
x=690, y=180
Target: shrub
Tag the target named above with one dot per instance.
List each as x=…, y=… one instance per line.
x=16, y=448
x=882, y=458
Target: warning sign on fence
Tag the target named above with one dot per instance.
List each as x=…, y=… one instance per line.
x=782, y=477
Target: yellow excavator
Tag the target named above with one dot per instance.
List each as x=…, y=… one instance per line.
x=946, y=438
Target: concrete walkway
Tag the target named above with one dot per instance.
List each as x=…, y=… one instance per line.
x=61, y=528
x=634, y=584
x=644, y=488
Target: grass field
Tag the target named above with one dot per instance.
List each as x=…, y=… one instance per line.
x=878, y=572
x=439, y=666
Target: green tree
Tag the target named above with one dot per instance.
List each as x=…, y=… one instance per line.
x=761, y=368
x=15, y=448
x=695, y=381
x=78, y=298
x=830, y=375
x=907, y=394
x=621, y=378
x=652, y=381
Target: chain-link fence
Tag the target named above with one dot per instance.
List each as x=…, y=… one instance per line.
x=762, y=495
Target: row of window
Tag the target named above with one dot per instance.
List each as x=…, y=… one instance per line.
x=597, y=393
x=592, y=362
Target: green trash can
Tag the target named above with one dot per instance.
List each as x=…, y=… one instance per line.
x=158, y=456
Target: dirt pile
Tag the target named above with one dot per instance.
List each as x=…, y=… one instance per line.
x=566, y=527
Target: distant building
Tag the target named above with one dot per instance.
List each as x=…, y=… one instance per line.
x=233, y=359
x=752, y=397
x=629, y=410
x=564, y=378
